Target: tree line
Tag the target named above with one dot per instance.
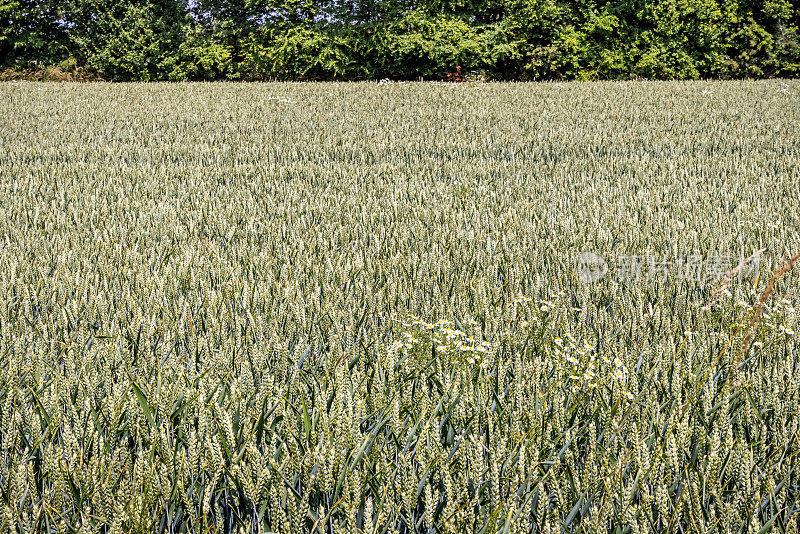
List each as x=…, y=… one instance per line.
x=146, y=40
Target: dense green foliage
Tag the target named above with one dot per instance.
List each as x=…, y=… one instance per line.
x=371, y=39
x=292, y=307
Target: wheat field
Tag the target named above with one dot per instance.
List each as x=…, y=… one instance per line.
x=400, y=307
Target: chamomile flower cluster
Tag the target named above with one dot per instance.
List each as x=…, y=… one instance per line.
x=585, y=370
x=443, y=336
x=779, y=319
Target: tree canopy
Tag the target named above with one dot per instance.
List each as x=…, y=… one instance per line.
x=371, y=39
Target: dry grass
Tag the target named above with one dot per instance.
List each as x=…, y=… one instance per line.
x=51, y=73
x=762, y=301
